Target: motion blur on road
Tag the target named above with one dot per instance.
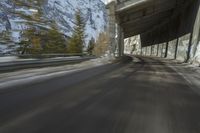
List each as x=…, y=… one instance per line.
x=99, y=66
x=146, y=95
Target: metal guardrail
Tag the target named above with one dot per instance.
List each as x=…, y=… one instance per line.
x=20, y=65
x=40, y=56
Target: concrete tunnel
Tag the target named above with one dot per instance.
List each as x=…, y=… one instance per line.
x=174, y=24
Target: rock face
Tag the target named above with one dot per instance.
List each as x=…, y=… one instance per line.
x=18, y=15
x=132, y=45
x=62, y=11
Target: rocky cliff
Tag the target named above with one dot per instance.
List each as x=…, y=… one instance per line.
x=18, y=15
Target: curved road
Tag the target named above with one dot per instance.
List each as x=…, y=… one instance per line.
x=143, y=97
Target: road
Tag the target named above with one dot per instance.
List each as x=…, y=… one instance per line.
x=143, y=97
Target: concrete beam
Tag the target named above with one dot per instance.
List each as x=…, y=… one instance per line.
x=145, y=24
x=132, y=4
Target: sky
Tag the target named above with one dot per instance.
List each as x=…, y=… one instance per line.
x=103, y=0
x=106, y=1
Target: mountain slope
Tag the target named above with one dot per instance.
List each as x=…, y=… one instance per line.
x=18, y=15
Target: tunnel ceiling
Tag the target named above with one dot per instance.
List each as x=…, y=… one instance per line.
x=150, y=17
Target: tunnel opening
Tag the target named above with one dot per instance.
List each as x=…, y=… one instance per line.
x=166, y=28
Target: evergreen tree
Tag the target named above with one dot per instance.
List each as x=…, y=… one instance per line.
x=24, y=47
x=54, y=42
x=38, y=41
x=26, y=41
x=101, y=45
x=91, y=45
x=77, y=40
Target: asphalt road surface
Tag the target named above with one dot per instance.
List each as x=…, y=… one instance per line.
x=143, y=97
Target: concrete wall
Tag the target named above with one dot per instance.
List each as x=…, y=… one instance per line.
x=171, y=49
x=196, y=58
x=143, y=51
x=195, y=52
x=182, y=44
x=154, y=50
x=160, y=50
x=148, y=53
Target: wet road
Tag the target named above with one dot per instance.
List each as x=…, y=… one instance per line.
x=143, y=97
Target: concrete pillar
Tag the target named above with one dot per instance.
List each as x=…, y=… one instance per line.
x=189, y=47
x=117, y=44
x=111, y=7
x=161, y=50
x=166, y=49
x=151, y=53
x=120, y=41
x=176, y=48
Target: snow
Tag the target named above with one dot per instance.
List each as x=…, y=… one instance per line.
x=42, y=74
x=18, y=24
x=26, y=11
x=196, y=59
x=4, y=48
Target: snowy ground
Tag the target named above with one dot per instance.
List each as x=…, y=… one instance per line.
x=38, y=75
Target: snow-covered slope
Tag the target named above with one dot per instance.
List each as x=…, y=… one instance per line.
x=62, y=11
x=17, y=15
